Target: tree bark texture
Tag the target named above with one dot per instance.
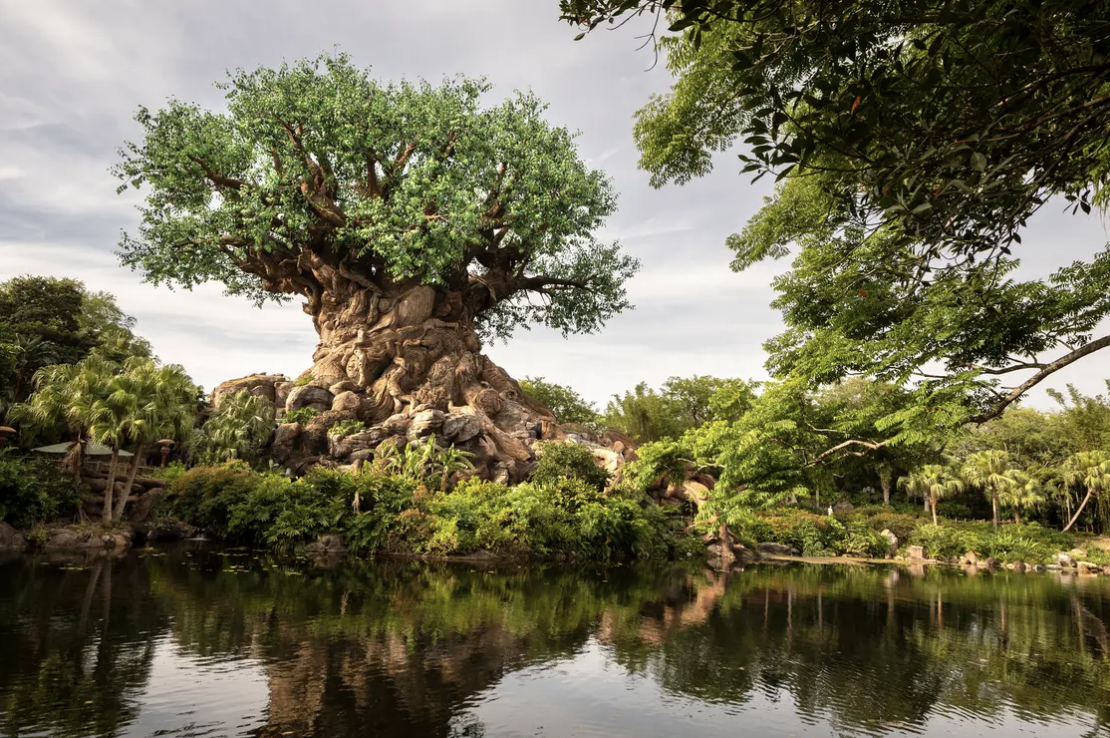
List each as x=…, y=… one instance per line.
x=404, y=362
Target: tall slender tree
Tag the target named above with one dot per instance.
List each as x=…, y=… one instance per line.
x=1091, y=471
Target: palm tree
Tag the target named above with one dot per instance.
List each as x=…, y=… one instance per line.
x=992, y=472
x=1088, y=469
x=1025, y=496
x=70, y=394
x=155, y=402
x=933, y=482
x=237, y=429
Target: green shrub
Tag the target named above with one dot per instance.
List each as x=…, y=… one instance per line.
x=569, y=461
x=879, y=518
x=170, y=472
x=34, y=491
x=301, y=416
x=945, y=541
x=380, y=512
x=345, y=428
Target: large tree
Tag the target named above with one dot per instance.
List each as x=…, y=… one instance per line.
x=915, y=140
x=413, y=220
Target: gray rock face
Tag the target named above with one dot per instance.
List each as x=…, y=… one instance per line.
x=1064, y=560
x=891, y=539
x=461, y=427
x=317, y=398
x=426, y=423
x=777, y=549
x=11, y=539
x=281, y=393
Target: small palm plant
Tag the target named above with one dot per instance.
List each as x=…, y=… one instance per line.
x=992, y=472
x=1025, y=496
x=933, y=482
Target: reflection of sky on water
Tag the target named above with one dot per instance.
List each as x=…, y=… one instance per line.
x=591, y=696
x=188, y=695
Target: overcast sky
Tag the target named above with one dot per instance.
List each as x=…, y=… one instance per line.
x=72, y=73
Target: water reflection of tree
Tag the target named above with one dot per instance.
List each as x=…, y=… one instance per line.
x=402, y=649
x=869, y=651
x=82, y=649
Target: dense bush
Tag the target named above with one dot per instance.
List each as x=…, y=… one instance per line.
x=376, y=512
x=569, y=461
x=34, y=491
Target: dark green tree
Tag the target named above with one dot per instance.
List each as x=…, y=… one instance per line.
x=413, y=220
x=567, y=405
x=915, y=139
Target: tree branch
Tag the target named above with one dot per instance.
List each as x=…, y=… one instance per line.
x=1044, y=373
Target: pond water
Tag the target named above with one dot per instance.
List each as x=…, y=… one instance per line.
x=196, y=642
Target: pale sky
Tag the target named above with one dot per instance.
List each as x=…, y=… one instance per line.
x=72, y=73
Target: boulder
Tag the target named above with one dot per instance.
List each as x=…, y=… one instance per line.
x=1086, y=567
x=776, y=549
x=516, y=419
x=346, y=402
x=317, y=398
x=916, y=553
x=991, y=563
x=461, y=427
x=1040, y=568
x=426, y=423
x=285, y=439
x=969, y=559
x=326, y=545
x=11, y=539
x=281, y=393
x=396, y=425
x=1064, y=560
x=843, y=507
x=345, y=386
x=1020, y=567
x=259, y=385
x=140, y=509
x=891, y=539
x=72, y=539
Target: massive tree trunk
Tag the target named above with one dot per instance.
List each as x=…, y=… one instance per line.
x=384, y=355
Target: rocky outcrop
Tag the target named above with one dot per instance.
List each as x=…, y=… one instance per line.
x=259, y=385
x=777, y=549
x=11, y=539
x=498, y=426
x=326, y=545
x=78, y=539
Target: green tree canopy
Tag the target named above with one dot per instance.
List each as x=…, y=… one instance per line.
x=916, y=139
x=45, y=321
x=567, y=405
x=317, y=179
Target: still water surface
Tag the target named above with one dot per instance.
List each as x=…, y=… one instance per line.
x=194, y=642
